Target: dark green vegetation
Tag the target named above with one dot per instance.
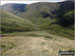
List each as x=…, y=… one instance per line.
x=55, y=18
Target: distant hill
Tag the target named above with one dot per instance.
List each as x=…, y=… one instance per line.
x=49, y=11
x=57, y=18
x=13, y=7
x=43, y=9
x=11, y=23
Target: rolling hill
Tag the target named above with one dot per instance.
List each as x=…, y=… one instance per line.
x=38, y=29
x=11, y=23
x=46, y=12
x=48, y=16
x=52, y=17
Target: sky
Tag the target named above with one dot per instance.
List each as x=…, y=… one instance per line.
x=27, y=2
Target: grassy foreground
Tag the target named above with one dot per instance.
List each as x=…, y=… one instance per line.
x=37, y=44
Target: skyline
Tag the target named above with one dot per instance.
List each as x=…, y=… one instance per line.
x=28, y=2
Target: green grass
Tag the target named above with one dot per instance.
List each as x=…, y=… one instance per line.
x=54, y=27
x=11, y=23
x=43, y=33
x=36, y=34
x=61, y=31
x=30, y=33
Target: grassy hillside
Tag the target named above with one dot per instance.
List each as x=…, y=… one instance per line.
x=39, y=29
x=11, y=23
x=50, y=17
x=43, y=44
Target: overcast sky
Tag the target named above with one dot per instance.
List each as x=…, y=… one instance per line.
x=28, y=1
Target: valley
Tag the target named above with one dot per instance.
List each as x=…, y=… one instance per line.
x=37, y=29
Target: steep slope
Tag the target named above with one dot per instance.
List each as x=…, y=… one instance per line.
x=64, y=25
x=66, y=13
x=57, y=18
x=48, y=12
x=41, y=9
x=12, y=23
x=36, y=11
x=40, y=13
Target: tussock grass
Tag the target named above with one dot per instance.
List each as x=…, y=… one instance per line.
x=34, y=46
